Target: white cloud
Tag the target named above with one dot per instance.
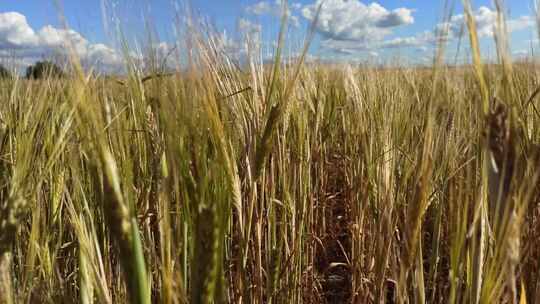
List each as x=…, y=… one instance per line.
x=295, y=56
x=102, y=54
x=270, y=8
x=422, y=49
x=274, y=9
x=521, y=54
x=296, y=6
x=59, y=38
x=420, y=41
x=348, y=32
x=252, y=33
x=521, y=23
x=394, y=18
x=163, y=54
x=66, y=40
x=294, y=21
x=263, y=8
x=356, y=21
x=345, y=46
x=15, y=32
x=226, y=43
x=344, y=51
x=248, y=27
x=19, y=40
x=486, y=22
x=401, y=42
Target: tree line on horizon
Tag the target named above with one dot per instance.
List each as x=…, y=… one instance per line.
x=39, y=70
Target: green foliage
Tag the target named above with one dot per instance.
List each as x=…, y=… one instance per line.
x=4, y=72
x=315, y=184
x=44, y=69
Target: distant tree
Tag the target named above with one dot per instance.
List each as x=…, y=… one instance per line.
x=4, y=72
x=44, y=69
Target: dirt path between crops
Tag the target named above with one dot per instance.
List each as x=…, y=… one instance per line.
x=331, y=256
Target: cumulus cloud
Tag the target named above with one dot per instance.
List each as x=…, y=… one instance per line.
x=344, y=36
x=355, y=21
x=102, y=54
x=486, y=23
x=274, y=9
x=394, y=18
x=15, y=32
x=19, y=40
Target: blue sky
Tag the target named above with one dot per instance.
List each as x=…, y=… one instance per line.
x=346, y=30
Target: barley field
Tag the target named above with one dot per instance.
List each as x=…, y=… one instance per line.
x=292, y=181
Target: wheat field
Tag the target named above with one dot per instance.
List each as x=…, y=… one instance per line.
x=288, y=182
